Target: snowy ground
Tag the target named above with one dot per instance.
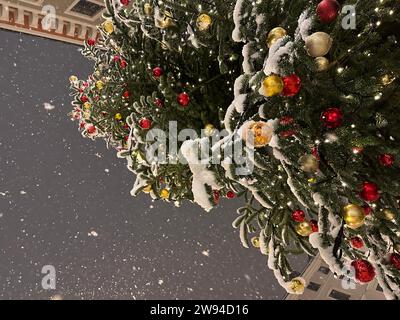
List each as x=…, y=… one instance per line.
x=64, y=201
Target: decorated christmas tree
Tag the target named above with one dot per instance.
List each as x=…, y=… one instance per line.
x=290, y=105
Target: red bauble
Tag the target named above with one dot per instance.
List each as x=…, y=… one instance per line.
x=91, y=42
x=116, y=58
x=292, y=85
x=145, y=123
x=157, y=72
x=126, y=138
x=386, y=159
x=159, y=103
x=90, y=129
x=287, y=133
x=84, y=99
x=357, y=242
x=370, y=192
x=395, y=260
x=230, y=195
x=286, y=120
x=315, y=153
x=183, y=99
x=332, y=118
x=365, y=272
x=124, y=2
x=126, y=94
x=298, y=216
x=216, y=196
x=328, y=10
x=314, y=225
x=367, y=210
x=123, y=64
x=82, y=125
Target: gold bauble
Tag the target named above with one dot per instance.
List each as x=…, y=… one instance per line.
x=257, y=134
x=209, y=130
x=73, y=79
x=87, y=106
x=255, y=241
x=164, y=194
x=165, y=22
x=318, y=44
x=297, y=286
x=86, y=114
x=322, y=63
x=108, y=26
x=203, y=22
x=148, y=9
x=388, y=79
x=304, y=229
x=147, y=189
x=100, y=85
x=272, y=85
x=354, y=216
x=274, y=35
x=118, y=117
x=308, y=163
x=388, y=214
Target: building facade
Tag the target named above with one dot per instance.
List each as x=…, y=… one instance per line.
x=66, y=20
x=322, y=284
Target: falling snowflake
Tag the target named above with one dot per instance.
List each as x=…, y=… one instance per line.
x=93, y=234
x=206, y=253
x=47, y=106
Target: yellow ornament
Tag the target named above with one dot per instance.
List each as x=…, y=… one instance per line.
x=203, y=22
x=148, y=9
x=388, y=79
x=297, y=286
x=354, y=216
x=388, y=214
x=322, y=63
x=166, y=21
x=100, y=85
x=304, y=229
x=318, y=44
x=118, y=117
x=164, y=194
x=86, y=115
x=312, y=180
x=255, y=241
x=272, y=86
x=147, y=189
x=308, y=163
x=87, y=106
x=108, y=26
x=274, y=35
x=257, y=134
x=73, y=79
x=209, y=130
